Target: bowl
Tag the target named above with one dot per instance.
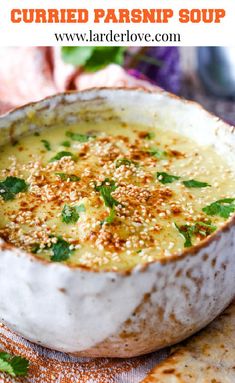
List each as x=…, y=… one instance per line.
x=119, y=314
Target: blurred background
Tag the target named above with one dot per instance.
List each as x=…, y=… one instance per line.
x=204, y=74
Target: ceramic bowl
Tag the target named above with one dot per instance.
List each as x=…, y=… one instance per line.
x=116, y=314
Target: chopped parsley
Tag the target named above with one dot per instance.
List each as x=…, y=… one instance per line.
x=110, y=218
x=150, y=136
x=199, y=228
x=68, y=177
x=78, y=137
x=13, y=365
x=35, y=248
x=158, y=153
x=124, y=161
x=223, y=207
x=61, y=250
x=105, y=189
x=36, y=134
x=204, y=228
x=62, y=154
x=46, y=144
x=166, y=178
x=195, y=184
x=66, y=144
x=186, y=232
x=12, y=186
x=70, y=214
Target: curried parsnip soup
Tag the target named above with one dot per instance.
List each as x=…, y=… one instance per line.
x=111, y=196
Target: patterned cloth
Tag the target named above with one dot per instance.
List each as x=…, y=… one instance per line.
x=48, y=366
x=207, y=355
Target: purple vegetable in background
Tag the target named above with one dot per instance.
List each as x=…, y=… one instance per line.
x=137, y=74
x=167, y=75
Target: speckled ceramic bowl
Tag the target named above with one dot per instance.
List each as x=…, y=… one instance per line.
x=116, y=314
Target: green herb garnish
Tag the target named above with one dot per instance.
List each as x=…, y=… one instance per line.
x=204, y=228
x=60, y=155
x=166, y=178
x=158, y=153
x=13, y=365
x=110, y=218
x=78, y=137
x=93, y=58
x=124, y=161
x=70, y=214
x=66, y=144
x=61, y=250
x=223, y=207
x=36, y=134
x=150, y=136
x=68, y=177
x=46, y=144
x=188, y=231
x=195, y=184
x=35, y=248
x=105, y=189
x=12, y=186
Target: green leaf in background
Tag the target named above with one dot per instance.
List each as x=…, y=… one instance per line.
x=93, y=58
x=222, y=207
x=13, y=365
x=12, y=186
x=61, y=250
x=77, y=56
x=195, y=184
x=60, y=155
x=166, y=178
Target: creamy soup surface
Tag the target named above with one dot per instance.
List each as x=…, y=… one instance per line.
x=110, y=196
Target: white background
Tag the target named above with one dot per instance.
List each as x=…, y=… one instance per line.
x=191, y=34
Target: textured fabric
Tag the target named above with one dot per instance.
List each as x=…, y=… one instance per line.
x=48, y=366
x=211, y=348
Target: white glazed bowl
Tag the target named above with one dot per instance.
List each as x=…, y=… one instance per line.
x=116, y=314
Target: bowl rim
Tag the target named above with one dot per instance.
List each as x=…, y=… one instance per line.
x=191, y=251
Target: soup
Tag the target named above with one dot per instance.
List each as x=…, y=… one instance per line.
x=111, y=196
